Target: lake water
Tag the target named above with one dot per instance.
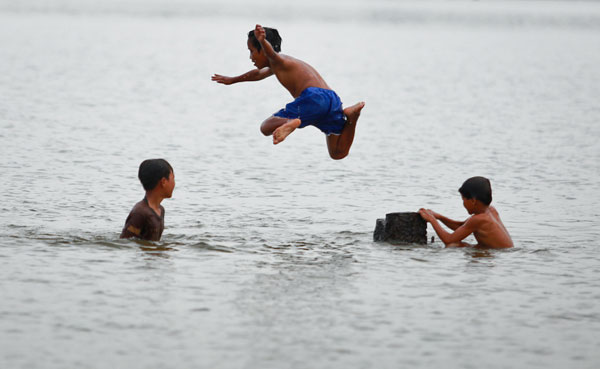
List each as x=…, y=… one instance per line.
x=267, y=258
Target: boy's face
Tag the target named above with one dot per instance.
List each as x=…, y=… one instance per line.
x=259, y=59
x=469, y=204
x=168, y=185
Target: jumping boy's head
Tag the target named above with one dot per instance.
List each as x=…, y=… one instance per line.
x=256, y=53
x=476, y=193
x=157, y=175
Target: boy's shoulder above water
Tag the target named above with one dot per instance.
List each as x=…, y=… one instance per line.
x=143, y=222
x=142, y=208
x=488, y=229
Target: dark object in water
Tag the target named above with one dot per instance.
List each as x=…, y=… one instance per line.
x=401, y=228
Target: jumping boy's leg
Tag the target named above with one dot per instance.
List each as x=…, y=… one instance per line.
x=283, y=131
x=279, y=127
x=271, y=124
x=339, y=145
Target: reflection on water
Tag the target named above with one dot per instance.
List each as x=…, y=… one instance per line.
x=157, y=250
x=267, y=258
x=480, y=253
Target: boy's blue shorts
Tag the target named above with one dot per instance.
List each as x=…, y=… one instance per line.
x=317, y=107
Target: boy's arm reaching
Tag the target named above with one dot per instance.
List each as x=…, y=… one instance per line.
x=253, y=75
x=261, y=36
x=458, y=235
x=450, y=223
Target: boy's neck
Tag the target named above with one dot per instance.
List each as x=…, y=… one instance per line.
x=154, y=199
x=480, y=208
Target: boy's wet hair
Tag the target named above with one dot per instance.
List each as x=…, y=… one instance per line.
x=479, y=188
x=271, y=34
x=152, y=171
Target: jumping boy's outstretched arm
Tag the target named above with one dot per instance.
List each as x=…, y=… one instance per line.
x=459, y=234
x=256, y=74
x=253, y=75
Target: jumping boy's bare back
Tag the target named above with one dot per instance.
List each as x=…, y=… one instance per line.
x=298, y=78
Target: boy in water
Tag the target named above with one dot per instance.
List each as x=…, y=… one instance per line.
x=315, y=103
x=147, y=218
x=485, y=224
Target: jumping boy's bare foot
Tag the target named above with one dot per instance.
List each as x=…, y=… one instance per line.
x=353, y=112
x=283, y=131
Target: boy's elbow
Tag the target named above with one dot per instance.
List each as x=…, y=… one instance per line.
x=449, y=239
x=446, y=241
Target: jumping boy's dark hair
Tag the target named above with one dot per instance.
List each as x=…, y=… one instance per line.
x=271, y=35
x=478, y=188
x=152, y=171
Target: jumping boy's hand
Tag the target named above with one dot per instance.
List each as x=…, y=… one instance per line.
x=427, y=214
x=259, y=33
x=222, y=79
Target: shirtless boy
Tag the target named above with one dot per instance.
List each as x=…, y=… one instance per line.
x=484, y=224
x=315, y=103
x=147, y=218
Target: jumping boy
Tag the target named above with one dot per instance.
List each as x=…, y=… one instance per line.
x=315, y=103
x=147, y=218
x=485, y=224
